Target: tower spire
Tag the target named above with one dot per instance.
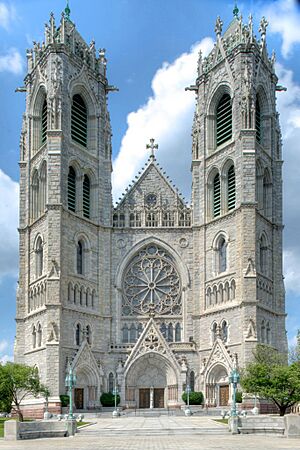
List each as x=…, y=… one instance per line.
x=67, y=11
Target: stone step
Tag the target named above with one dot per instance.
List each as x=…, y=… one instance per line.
x=154, y=431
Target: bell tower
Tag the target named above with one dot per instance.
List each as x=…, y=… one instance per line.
x=237, y=196
x=65, y=204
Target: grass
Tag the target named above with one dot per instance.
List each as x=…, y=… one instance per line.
x=80, y=424
x=225, y=421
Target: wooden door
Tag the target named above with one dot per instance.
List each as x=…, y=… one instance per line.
x=144, y=398
x=159, y=398
x=78, y=398
x=224, y=395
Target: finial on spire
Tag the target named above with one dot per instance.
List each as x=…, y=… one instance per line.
x=235, y=11
x=67, y=11
x=152, y=147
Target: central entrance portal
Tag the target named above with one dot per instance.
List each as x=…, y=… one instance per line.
x=145, y=398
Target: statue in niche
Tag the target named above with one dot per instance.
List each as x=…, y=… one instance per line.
x=53, y=333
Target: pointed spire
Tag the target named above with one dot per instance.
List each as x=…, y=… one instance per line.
x=235, y=11
x=67, y=11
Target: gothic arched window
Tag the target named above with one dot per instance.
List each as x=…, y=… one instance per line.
x=79, y=258
x=214, y=331
x=132, y=333
x=263, y=331
x=263, y=254
x=178, y=332
x=231, y=188
x=72, y=189
x=266, y=193
x=224, y=120
x=170, y=332
x=222, y=255
x=39, y=335
x=44, y=124
x=39, y=255
x=79, y=120
x=216, y=196
x=258, y=120
x=35, y=195
x=88, y=334
x=139, y=330
x=125, y=333
x=77, y=334
x=33, y=337
x=86, y=196
x=224, y=331
x=163, y=330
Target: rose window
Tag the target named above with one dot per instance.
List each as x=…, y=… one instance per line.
x=151, y=284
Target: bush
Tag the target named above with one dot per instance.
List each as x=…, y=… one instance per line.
x=239, y=397
x=196, y=398
x=108, y=399
x=64, y=400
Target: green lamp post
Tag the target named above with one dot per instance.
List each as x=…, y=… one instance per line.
x=234, y=379
x=70, y=383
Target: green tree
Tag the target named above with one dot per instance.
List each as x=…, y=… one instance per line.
x=18, y=381
x=270, y=377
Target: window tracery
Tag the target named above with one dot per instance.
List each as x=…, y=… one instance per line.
x=151, y=283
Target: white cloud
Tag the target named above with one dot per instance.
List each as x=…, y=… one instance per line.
x=292, y=269
x=167, y=117
x=5, y=358
x=3, y=345
x=9, y=211
x=284, y=18
x=12, y=62
x=7, y=15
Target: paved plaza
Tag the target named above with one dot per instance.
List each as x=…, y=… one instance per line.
x=155, y=433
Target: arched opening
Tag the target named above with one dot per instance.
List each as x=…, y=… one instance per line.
x=72, y=189
x=222, y=255
x=266, y=191
x=44, y=122
x=192, y=381
x=231, y=188
x=151, y=382
x=86, y=392
x=79, y=258
x=78, y=334
x=217, y=386
x=216, y=196
x=224, y=331
x=39, y=257
x=223, y=120
x=111, y=382
x=263, y=249
x=33, y=337
x=39, y=335
x=258, y=120
x=79, y=118
x=86, y=196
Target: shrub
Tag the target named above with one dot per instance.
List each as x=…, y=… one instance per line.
x=239, y=397
x=196, y=398
x=64, y=400
x=108, y=399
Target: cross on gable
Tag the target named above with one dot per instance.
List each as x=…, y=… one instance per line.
x=153, y=147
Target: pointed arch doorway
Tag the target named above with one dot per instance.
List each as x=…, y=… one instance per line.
x=151, y=382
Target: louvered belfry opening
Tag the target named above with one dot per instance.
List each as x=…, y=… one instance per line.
x=258, y=121
x=72, y=189
x=217, y=196
x=44, y=122
x=224, y=120
x=79, y=120
x=86, y=196
x=231, y=188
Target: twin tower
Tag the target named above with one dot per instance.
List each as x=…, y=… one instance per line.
x=151, y=295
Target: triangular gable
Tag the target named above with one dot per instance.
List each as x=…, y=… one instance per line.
x=151, y=340
x=152, y=165
x=219, y=354
x=85, y=357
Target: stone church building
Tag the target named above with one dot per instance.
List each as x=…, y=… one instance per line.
x=153, y=294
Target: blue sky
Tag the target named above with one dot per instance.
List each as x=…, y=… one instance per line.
x=151, y=47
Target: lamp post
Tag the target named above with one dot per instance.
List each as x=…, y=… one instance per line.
x=115, y=393
x=234, y=379
x=70, y=383
x=187, y=411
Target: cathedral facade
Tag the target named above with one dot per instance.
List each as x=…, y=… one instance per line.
x=153, y=294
